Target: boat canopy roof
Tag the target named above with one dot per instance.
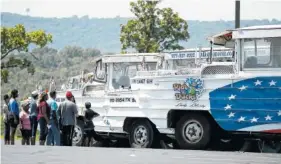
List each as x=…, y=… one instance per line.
x=132, y=57
x=264, y=31
x=194, y=53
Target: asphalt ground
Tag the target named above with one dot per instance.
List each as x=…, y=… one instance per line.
x=18, y=154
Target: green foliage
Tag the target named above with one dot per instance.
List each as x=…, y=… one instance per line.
x=16, y=38
x=4, y=75
x=50, y=62
x=154, y=29
x=14, y=62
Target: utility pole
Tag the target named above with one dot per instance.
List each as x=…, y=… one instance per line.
x=237, y=13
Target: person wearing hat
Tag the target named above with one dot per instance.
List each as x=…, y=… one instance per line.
x=33, y=116
x=43, y=117
x=25, y=126
x=13, y=115
x=67, y=113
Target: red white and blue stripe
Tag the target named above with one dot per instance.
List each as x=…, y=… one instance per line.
x=248, y=105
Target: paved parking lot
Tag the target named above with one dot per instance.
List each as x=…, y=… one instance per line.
x=18, y=154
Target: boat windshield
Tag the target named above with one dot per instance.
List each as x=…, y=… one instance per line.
x=122, y=72
x=262, y=53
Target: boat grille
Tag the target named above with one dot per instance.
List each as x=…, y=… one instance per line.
x=219, y=69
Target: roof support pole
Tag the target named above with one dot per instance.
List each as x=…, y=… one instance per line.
x=211, y=52
x=237, y=14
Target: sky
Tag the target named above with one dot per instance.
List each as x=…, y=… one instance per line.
x=204, y=10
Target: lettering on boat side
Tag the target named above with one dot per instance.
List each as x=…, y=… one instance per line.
x=197, y=105
x=192, y=105
x=122, y=99
x=190, y=89
x=142, y=81
x=203, y=54
x=181, y=105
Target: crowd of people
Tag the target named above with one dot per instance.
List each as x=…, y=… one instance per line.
x=56, y=122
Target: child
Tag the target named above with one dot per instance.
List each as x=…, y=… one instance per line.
x=89, y=126
x=25, y=126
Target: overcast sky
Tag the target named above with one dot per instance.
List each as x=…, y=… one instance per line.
x=188, y=9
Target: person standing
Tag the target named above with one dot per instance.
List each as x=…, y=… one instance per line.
x=5, y=119
x=33, y=116
x=89, y=127
x=13, y=115
x=25, y=125
x=43, y=117
x=54, y=133
x=67, y=113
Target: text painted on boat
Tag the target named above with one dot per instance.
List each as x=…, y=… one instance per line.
x=122, y=99
x=203, y=54
x=142, y=81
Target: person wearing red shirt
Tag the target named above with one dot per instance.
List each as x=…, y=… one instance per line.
x=43, y=117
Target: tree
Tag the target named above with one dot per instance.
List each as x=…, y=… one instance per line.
x=18, y=39
x=154, y=29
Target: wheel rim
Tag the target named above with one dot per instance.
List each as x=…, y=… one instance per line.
x=269, y=146
x=77, y=135
x=193, y=131
x=140, y=135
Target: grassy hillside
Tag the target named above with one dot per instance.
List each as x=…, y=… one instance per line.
x=103, y=34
